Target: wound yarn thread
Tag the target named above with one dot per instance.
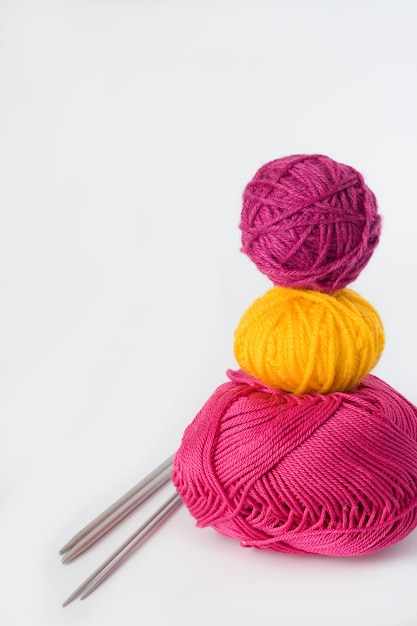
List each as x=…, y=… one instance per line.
x=305, y=341
x=331, y=474
x=309, y=222
x=303, y=451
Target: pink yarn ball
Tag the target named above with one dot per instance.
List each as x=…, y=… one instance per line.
x=328, y=474
x=309, y=222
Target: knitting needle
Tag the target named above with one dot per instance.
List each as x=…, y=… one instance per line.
x=116, y=559
x=116, y=516
x=117, y=511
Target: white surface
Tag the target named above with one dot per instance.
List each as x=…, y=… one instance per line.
x=128, y=131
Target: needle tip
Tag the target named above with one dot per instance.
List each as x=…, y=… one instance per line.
x=67, y=546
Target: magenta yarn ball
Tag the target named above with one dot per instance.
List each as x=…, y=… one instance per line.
x=331, y=474
x=309, y=222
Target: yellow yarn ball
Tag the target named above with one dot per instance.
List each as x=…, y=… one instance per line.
x=307, y=341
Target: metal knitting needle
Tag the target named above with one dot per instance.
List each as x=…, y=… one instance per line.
x=117, y=511
x=116, y=516
x=117, y=558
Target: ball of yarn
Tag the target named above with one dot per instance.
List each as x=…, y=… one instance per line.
x=306, y=341
x=328, y=474
x=309, y=222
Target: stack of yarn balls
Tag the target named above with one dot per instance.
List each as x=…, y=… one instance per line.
x=303, y=450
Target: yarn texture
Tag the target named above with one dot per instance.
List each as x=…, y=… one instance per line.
x=310, y=222
x=304, y=450
x=331, y=474
x=306, y=341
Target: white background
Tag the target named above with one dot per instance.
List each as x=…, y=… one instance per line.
x=128, y=131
